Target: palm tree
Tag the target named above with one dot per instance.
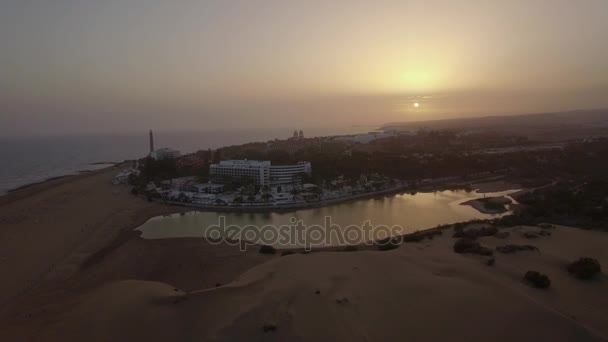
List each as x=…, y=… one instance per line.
x=266, y=197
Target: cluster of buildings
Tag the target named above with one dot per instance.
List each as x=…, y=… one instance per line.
x=249, y=182
x=262, y=173
x=276, y=184
x=365, y=138
x=199, y=159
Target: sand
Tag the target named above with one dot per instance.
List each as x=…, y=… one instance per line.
x=63, y=237
x=105, y=283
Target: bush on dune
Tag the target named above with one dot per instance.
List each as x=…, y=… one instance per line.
x=265, y=249
x=537, y=279
x=508, y=249
x=585, y=268
x=419, y=236
x=389, y=243
x=473, y=233
x=471, y=246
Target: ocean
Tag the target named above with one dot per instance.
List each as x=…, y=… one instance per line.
x=27, y=160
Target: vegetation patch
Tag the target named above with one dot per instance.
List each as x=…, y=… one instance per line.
x=494, y=203
x=473, y=233
x=419, y=236
x=576, y=203
x=537, y=279
x=265, y=249
x=470, y=246
x=502, y=235
x=585, y=268
x=269, y=328
x=389, y=243
x=508, y=249
x=351, y=248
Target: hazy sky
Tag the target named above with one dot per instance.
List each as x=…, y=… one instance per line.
x=126, y=65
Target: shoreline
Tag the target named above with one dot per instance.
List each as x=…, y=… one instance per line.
x=56, y=178
x=483, y=187
x=286, y=208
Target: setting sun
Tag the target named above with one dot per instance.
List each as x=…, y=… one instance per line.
x=416, y=105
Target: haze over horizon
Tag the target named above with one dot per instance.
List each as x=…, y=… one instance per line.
x=124, y=65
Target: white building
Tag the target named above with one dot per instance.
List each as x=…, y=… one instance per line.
x=258, y=171
x=289, y=174
x=166, y=153
x=262, y=172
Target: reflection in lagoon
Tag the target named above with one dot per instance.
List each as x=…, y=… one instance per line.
x=412, y=212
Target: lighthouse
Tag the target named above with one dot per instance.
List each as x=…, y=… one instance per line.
x=151, y=143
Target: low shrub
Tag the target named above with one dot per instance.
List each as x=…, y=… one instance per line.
x=508, y=249
x=471, y=246
x=537, y=279
x=269, y=328
x=285, y=253
x=585, y=268
x=419, y=236
x=389, y=243
x=265, y=249
x=473, y=233
x=489, y=205
x=351, y=248
x=502, y=235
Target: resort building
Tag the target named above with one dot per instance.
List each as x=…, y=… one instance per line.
x=166, y=153
x=261, y=172
x=289, y=174
x=258, y=171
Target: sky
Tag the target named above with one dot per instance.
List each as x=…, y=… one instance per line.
x=88, y=66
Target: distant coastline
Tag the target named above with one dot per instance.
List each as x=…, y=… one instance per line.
x=97, y=166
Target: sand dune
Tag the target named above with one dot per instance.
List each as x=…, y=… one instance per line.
x=421, y=291
x=73, y=269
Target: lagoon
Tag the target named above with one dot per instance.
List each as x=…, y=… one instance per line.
x=405, y=212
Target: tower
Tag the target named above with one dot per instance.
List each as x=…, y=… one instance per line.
x=301, y=135
x=151, y=142
x=295, y=134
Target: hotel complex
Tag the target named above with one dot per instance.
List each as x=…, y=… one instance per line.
x=289, y=174
x=261, y=172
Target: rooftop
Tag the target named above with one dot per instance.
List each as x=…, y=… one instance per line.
x=245, y=162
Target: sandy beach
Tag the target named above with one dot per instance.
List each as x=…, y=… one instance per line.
x=73, y=269
x=55, y=236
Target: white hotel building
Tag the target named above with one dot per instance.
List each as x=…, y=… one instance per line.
x=262, y=172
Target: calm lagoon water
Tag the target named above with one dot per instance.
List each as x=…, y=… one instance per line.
x=420, y=211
